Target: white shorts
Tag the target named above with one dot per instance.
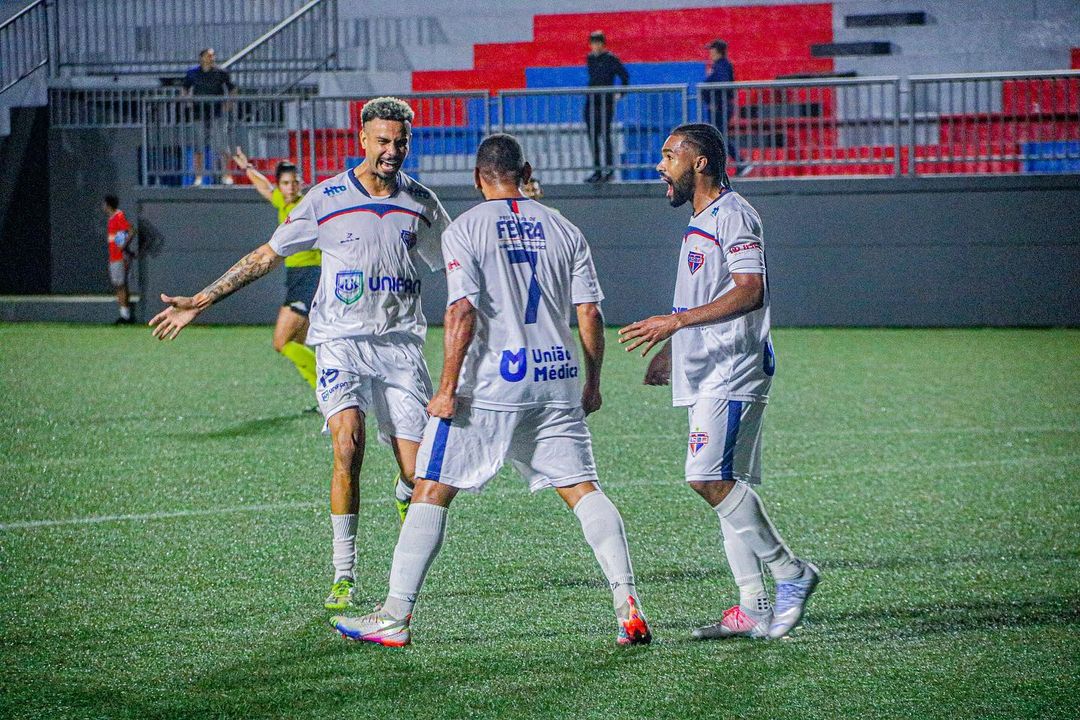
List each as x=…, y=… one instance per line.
x=724, y=440
x=549, y=447
x=389, y=376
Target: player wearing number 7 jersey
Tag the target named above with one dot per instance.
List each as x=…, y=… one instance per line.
x=510, y=387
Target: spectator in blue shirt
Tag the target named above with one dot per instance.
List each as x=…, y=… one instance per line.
x=720, y=104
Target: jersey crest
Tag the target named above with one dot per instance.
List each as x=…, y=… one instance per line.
x=349, y=286
x=698, y=440
x=695, y=260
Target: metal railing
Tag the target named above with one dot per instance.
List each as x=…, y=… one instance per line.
x=837, y=126
x=120, y=37
x=571, y=134
x=190, y=141
x=998, y=123
x=85, y=108
x=1013, y=123
x=24, y=44
x=303, y=43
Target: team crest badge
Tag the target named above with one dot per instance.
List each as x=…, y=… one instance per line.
x=349, y=286
x=409, y=238
x=695, y=260
x=698, y=440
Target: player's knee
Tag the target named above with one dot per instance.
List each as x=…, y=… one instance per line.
x=348, y=439
x=713, y=491
x=430, y=492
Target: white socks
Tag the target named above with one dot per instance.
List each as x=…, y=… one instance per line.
x=603, y=528
x=419, y=542
x=344, y=545
x=746, y=568
x=747, y=531
x=125, y=312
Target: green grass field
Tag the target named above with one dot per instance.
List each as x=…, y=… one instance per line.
x=164, y=542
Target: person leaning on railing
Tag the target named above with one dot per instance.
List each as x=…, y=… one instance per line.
x=721, y=103
x=207, y=79
x=604, y=67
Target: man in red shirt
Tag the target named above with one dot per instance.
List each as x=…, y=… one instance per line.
x=120, y=235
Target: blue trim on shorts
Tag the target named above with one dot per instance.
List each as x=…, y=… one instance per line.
x=438, y=450
x=734, y=417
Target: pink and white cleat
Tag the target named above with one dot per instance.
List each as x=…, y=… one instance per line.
x=737, y=621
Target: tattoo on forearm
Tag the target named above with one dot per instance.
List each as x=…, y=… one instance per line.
x=251, y=267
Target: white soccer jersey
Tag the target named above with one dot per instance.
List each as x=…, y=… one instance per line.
x=371, y=246
x=523, y=266
x=732, y=359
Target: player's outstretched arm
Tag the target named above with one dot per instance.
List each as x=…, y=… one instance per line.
x=747, y=295
x=591, y=331
x=460, y=326
x=169, y=322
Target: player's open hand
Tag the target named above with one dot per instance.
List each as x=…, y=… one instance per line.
x=591, y=399
x=648, y=332
x=169, y=322
x=240, y=159
x=442, y=405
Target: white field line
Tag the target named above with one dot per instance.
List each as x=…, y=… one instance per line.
x=913, y=467
x=96, y=519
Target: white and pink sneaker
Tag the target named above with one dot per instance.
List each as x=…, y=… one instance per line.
x=737, y=621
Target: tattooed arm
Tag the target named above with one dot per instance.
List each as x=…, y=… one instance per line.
x=169, y=322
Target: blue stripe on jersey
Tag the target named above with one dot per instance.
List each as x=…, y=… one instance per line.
x=690, y=231
x=438, y=450
x=380, y=209
x=734, y=417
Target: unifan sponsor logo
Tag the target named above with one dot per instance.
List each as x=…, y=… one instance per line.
x=391, y=284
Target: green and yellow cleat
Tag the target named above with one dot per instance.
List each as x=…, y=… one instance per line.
x=402, y=505
x=341, y=594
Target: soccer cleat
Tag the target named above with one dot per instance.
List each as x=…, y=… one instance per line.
x=402, y=509
x=791, y=599
x=341, y=594
x=376, y=627
x=633, y=628
x=737, y=621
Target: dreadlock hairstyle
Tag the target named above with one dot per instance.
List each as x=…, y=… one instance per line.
x=709, y=143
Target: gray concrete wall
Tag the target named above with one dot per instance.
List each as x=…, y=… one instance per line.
x=892, y=252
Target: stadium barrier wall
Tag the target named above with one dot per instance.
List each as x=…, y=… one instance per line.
x=968, y=251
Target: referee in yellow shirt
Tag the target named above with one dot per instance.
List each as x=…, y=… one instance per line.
x=301, y=269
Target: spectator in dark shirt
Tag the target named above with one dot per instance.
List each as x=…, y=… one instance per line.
x=604, y=67
x=721, y=103
x=207, y=79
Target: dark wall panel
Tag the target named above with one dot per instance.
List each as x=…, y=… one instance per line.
x=84, y=166
x=896, y=252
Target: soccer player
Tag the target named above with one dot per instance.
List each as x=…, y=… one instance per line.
x=720, y=364
x=119, y=235
x=374, y=226
x=510, y=388
x=301, y=269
